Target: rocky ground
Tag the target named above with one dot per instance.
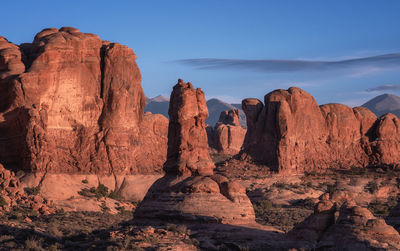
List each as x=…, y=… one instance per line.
x=280, y=202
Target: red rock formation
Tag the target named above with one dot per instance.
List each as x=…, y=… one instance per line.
x=75, y=104
x=189, y=190
x=291, y=132
x=187, y=137
x=339, y=224
x=227, y=136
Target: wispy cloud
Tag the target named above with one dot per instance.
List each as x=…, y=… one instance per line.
x=279, y=65
x=387, y=87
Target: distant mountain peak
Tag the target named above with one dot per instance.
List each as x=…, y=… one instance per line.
x=215, y=106
x=384, y=103
x=159, y=98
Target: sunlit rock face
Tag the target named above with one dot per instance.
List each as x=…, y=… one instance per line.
x=189, y=190
x=71, y=102
x=228, y=135
x=338, y=223
x=289, y=132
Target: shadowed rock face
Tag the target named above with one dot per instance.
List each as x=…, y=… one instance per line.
x=74, y=103
x=227, y=136
x=189, y=190
x=290, y=132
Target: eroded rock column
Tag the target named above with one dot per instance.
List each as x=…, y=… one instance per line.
x=190, y=191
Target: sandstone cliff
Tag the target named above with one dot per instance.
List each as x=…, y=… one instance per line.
x=71, y=102
x=291, y=132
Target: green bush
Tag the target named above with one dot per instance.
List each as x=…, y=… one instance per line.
x=100, y=191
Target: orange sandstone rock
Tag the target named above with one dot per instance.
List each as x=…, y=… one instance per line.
x=73, y=103
x=227, y=135
x=189, y=191
x=290, y=133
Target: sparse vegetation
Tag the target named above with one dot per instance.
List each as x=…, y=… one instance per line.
x=180, y=229
x=3, y=202
x=85, y=181
x=371, y=187
x=331, y=189
x=382, y=208
x=33, y=190
x=99, y=192
x=304, y=203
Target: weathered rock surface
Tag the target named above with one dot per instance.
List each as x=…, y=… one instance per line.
x=187, y=137
x=227, y=136
x=71, y=102
x=339, y=224
x=292, y=133
x=189, y=190
x=13, y=195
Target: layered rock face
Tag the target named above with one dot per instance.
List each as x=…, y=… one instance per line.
x=228, y=135
x=71, y=102
x=291, y=132
x=339, y=224
x=189, y=190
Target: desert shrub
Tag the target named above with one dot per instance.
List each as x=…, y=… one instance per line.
x=33, y=190
x=53, y=247
x=104, y=207
x=192, y=241
x=263, y=206
x=331, y=189
x=279, y=185
x=85, y=181
x=380, y=208
x=371, y=187
x=33, y=245
x=114, y=195
x=150, y=239
x=100, y=191
x=180, y=229
x=304, y=203
x=3, y=202
x=136, y=203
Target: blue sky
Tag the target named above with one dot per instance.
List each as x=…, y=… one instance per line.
x=238, y=49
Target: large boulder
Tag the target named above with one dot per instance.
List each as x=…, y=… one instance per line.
x=290, y=132
x=73, y=103
x=189, y=190
x=339, y=224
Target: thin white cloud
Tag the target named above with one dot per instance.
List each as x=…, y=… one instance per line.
x=386, y=87
x=363, y=64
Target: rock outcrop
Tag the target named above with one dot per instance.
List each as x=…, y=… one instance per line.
x=189, y=190
x=228, y=135
x=13, y=195
x=339, y=224
x=292, y=133
x=72, y=103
